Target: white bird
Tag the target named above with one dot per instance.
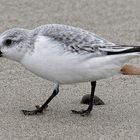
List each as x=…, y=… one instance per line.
x=65, y=55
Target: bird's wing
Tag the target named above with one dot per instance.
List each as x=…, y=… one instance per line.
x=78, y=40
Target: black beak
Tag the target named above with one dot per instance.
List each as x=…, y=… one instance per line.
x=0, y=54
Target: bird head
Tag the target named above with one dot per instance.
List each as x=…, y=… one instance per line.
x=14, y=43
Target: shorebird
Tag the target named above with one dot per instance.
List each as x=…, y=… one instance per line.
x=65, y=55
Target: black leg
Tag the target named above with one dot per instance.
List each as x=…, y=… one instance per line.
x=40, y=109
x=88, y=110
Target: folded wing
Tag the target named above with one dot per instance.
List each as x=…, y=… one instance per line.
x=77, y=40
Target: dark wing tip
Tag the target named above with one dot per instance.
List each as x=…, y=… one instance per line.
x=124, y=49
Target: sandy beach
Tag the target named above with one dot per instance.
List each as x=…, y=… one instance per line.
x=119, y=119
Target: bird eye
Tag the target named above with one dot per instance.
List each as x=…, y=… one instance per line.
x=8, y=42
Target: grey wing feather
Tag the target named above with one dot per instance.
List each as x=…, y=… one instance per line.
x=73, y=39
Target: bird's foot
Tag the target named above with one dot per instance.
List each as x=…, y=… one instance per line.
x=96, y=100
x=81, y=112
x=37, y=111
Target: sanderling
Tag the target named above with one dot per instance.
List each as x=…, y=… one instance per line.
x=65, y=55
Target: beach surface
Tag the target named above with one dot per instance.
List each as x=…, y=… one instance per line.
x=119, y=119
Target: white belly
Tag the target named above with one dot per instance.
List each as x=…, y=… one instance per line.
x=66, y=70
x=53, y=63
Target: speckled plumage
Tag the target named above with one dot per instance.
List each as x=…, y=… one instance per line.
x=72, y=38
x=78, y=40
